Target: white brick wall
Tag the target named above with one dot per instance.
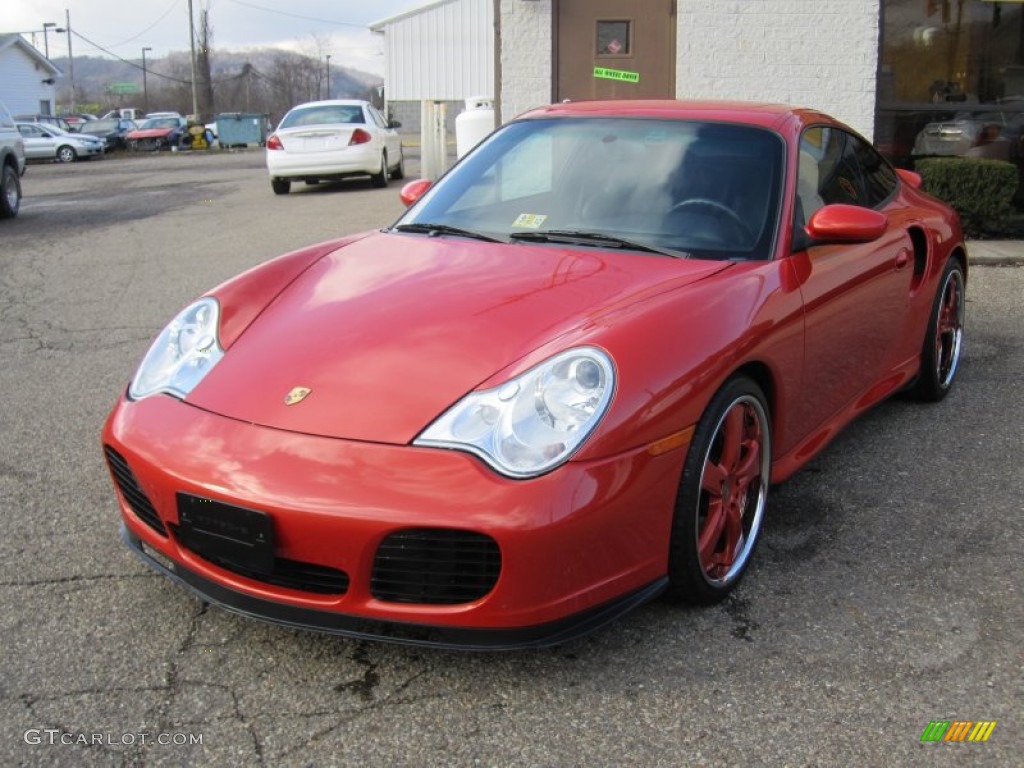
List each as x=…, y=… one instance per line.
x=813, y=53
x=526, y=45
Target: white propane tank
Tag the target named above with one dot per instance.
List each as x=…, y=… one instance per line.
x=473, y=124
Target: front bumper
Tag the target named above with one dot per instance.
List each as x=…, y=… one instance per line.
x=578, y=546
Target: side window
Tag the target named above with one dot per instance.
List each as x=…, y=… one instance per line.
x=377, y=117
x=829, y=172
x=879, y=177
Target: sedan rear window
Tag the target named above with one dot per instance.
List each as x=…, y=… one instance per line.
x=324, y=115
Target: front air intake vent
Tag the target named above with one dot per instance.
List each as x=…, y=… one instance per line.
x=133, y=495
x=437, y=566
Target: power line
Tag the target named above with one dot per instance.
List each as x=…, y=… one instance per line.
x=165, y=14
x=298, y=16
x=149, y=70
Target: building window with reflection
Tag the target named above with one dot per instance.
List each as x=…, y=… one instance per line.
x=951, y=80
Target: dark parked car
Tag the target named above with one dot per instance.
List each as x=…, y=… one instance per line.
x=113, y=131
x=52, y=120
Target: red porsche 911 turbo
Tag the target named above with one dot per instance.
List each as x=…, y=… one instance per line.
x=559, y=385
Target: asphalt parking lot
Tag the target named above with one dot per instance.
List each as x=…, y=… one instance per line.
x=886, y=593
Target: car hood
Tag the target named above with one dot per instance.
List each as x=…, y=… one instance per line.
x=391, y=330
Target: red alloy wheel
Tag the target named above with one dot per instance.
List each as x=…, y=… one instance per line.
x=949, y=329
x=730, y=489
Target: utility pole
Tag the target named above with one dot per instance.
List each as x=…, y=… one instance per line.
x=192, y=60
x=71, y=59
x=145, y=88
x=328, y=76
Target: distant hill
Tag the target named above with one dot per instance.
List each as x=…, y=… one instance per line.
x=267, y=81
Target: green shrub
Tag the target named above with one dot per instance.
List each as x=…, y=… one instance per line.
x=980, y=190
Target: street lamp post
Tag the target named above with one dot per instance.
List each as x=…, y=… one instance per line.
x=145, y=88
x=328, y=76
x=47, y=25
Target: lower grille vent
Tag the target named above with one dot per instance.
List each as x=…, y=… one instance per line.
x=437, y=566
x=137, y=501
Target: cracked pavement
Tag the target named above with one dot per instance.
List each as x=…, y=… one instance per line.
x=886, y=591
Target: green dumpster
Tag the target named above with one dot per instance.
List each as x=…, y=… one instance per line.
x=237, y=129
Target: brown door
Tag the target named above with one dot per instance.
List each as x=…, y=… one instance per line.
x=615, y=49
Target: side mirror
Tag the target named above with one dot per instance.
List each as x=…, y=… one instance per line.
x=394, y=124
x=841, y=223
x=414, y=190
x=910, y=178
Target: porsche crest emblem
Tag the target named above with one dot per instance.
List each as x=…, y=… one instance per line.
x=297, y=395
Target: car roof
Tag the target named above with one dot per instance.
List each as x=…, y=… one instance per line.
x=333, y=102
x=769, y=115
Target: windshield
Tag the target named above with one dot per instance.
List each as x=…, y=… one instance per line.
x=710, y=190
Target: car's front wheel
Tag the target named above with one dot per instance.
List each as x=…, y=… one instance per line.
x=66, y=154
x=280, y=186
x=380, y=179
x=10, y=193
x=940, y=355
x=722, y=495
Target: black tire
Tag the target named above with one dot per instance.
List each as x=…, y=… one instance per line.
x=280, y=186
x=66, y=154
x=380, y=179
x=399, y=170
x=723, y=493
x=10, y=192
x=943, y=341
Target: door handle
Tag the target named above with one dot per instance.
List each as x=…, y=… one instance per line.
x=902, y=259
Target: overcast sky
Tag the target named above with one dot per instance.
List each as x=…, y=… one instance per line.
x=123, y=27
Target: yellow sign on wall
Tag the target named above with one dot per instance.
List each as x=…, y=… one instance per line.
x=616, y=74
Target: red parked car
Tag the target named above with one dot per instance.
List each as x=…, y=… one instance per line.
x=154, y=133
x=561, y=384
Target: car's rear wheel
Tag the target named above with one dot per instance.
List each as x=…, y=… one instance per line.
x=380, y=179
x=66, y=154
x=940, y=355
x=398, y=172
x=722, y=495
x=10, y=193
x=280, y=186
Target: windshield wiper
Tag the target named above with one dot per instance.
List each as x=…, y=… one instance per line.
x=597, y=239
x=433, y=230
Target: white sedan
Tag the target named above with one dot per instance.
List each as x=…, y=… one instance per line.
x=46, y=142
x=328, y=140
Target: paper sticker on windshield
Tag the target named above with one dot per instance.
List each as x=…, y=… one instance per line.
x=529, y=220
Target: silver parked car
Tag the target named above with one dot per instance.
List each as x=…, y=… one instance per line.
x=44, y=142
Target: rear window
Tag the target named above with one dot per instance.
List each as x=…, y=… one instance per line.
x=330, y=114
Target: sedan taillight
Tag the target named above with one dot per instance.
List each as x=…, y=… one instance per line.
x=274, y=142
x=359, y=136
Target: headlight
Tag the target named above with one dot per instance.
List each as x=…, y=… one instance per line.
x=182, y=354
x=534, y=422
